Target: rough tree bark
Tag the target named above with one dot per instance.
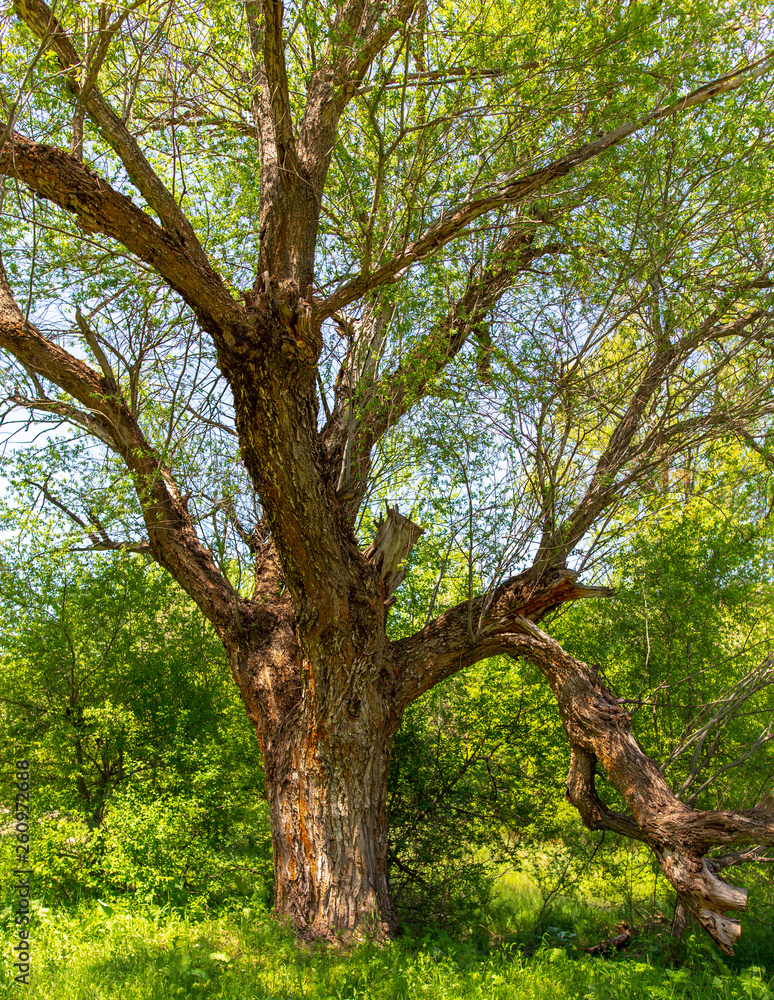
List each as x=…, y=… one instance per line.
x=324, y=687
x=326, y=757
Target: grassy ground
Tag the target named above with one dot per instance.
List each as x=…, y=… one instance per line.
x=104, y=952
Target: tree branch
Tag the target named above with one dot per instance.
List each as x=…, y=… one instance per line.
x=382, y=404
x=53, y=174
x=764, y=452
x=556, y=544
x=293, y=174
x=361, y=31
x=434, y=77
x=455, y=220
x=276, y=82
x=600, y=730
x=472, y=630
x=172, y=537
x=90, y=337
x=100, y=540
x=289, y=207
x=41, y=20
x=622, y=449
x=87, y=421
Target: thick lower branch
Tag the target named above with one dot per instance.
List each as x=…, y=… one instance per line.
x=172, y=538
x=473, y=630
x=600, y=730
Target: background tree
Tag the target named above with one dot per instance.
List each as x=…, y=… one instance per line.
x=145, y=763
x=242, y=243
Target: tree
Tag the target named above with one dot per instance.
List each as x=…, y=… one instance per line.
x=117, y=688
x=541, y=233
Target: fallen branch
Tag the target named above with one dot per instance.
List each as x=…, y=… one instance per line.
x=625, y=936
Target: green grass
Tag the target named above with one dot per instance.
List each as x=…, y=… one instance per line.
x=149, y=953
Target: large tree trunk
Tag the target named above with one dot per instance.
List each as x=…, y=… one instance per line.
x=326, y=730
x=327, y=788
